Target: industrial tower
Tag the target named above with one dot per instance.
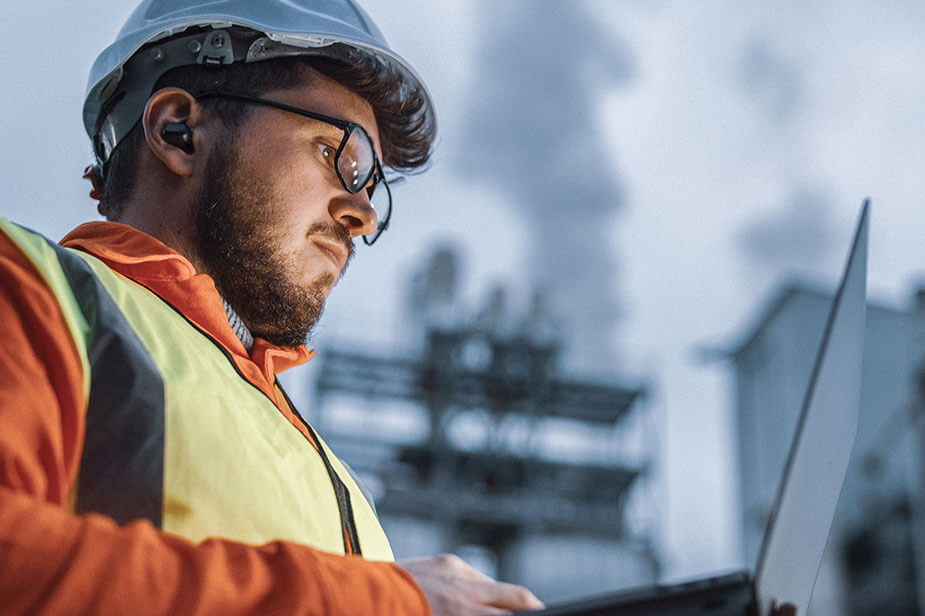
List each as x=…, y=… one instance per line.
x=483, y=473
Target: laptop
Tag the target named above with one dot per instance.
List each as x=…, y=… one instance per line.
x=798, y=528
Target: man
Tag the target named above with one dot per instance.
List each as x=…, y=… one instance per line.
x=149, y=460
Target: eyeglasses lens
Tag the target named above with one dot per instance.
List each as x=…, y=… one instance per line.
x=382, y=204
x=357, y=166
x=357, y=161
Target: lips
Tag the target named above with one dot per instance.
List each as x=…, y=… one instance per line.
x=335, y=252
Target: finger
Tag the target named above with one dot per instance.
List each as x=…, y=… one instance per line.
x=507, y=596
x=470, y=572
x=487, y=610
x=459, y=567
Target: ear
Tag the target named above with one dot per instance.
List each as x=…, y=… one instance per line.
x=172, y=106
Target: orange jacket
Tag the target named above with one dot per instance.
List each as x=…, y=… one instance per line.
x=55, y=562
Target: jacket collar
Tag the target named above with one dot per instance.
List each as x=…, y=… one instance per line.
x=167, y=273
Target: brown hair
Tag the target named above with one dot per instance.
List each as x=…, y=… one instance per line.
x=406, y=129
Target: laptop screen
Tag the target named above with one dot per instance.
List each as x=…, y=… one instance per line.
x=796, y=536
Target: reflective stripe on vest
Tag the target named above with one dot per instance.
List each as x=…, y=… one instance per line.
x=175, y=435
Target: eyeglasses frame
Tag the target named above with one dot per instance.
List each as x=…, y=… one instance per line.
x=376, y=175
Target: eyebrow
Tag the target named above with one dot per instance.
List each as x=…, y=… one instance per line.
x=336, y=133
x=342, y=124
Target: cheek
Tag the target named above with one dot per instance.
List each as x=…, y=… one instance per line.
x=292, y=206
x=303, y=193
x=294, y=218
x=291, y=197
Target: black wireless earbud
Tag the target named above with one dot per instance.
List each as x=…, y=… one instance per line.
x=180, y=135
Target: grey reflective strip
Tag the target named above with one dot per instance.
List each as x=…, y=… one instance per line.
x=122, y=467
x=240, y=329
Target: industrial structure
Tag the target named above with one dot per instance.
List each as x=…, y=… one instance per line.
x=474, y=442
x=873, y=558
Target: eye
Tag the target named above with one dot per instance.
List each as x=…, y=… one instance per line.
x=327, y=153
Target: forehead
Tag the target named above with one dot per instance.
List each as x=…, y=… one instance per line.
x=328, y=97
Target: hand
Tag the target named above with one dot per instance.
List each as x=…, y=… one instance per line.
x=787, y=609
x=453, y=588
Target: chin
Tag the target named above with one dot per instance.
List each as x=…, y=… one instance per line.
x=323, y=283
x=290, y=339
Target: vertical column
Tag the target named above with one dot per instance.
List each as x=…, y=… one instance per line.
x=917, y=498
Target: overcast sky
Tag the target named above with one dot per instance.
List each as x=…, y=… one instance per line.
x=698, y=155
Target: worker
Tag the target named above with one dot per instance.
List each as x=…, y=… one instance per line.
x=150, y=461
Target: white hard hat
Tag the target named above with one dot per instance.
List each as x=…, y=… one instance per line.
x=121, y=81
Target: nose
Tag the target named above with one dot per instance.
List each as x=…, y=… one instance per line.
x=355, y=212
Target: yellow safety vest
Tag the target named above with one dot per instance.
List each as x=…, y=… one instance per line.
x=175, y=435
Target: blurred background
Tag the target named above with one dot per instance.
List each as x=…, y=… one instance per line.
x=577, y=355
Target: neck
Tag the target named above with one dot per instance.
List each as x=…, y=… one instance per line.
x=162, y=205
x=163, y=220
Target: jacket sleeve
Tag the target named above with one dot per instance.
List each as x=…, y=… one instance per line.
x=55, y=562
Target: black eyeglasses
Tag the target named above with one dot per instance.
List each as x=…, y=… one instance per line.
x=355, y=160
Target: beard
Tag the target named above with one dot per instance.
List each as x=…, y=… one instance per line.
x=240, y=246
